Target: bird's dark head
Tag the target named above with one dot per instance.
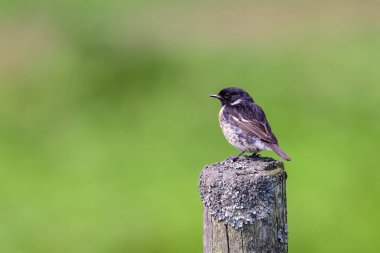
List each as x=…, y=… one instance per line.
x=232, y=96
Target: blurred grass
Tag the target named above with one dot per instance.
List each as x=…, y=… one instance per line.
x=105, y=122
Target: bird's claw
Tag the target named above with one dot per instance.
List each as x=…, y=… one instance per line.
x=255, y=155
x=235, y=158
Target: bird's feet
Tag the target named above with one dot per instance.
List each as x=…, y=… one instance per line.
x=255, y=155
x=235, y=158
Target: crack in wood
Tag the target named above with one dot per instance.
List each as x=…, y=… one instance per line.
x=228, y=240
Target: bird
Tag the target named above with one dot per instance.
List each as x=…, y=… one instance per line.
x=244, y=124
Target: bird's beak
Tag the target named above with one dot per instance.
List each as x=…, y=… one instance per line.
x=215, y=96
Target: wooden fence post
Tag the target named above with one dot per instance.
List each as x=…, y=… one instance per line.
x=244, y=206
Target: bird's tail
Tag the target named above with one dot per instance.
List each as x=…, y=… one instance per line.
x=278, y=151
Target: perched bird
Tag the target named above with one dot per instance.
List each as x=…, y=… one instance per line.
x=244, y=124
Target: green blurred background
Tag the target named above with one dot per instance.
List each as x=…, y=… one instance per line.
x=105, y=120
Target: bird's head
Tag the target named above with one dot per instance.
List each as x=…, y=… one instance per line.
x=232, y=96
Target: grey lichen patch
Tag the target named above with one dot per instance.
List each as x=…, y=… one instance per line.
x=282, y=234
x=240, y=191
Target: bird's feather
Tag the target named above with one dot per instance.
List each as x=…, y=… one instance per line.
x=251, y=118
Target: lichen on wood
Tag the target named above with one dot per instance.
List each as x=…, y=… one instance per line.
x=244, y=203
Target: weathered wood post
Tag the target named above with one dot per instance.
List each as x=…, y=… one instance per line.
x=244, y=206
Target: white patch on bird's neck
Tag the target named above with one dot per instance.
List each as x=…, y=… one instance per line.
x=237, y=102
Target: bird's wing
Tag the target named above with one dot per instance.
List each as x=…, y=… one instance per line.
x=251, y=118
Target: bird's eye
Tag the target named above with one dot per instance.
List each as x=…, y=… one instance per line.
x=227, y=95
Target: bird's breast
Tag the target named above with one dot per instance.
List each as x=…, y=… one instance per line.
x=237, y=137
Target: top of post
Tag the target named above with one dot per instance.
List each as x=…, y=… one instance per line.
x=240, y=190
